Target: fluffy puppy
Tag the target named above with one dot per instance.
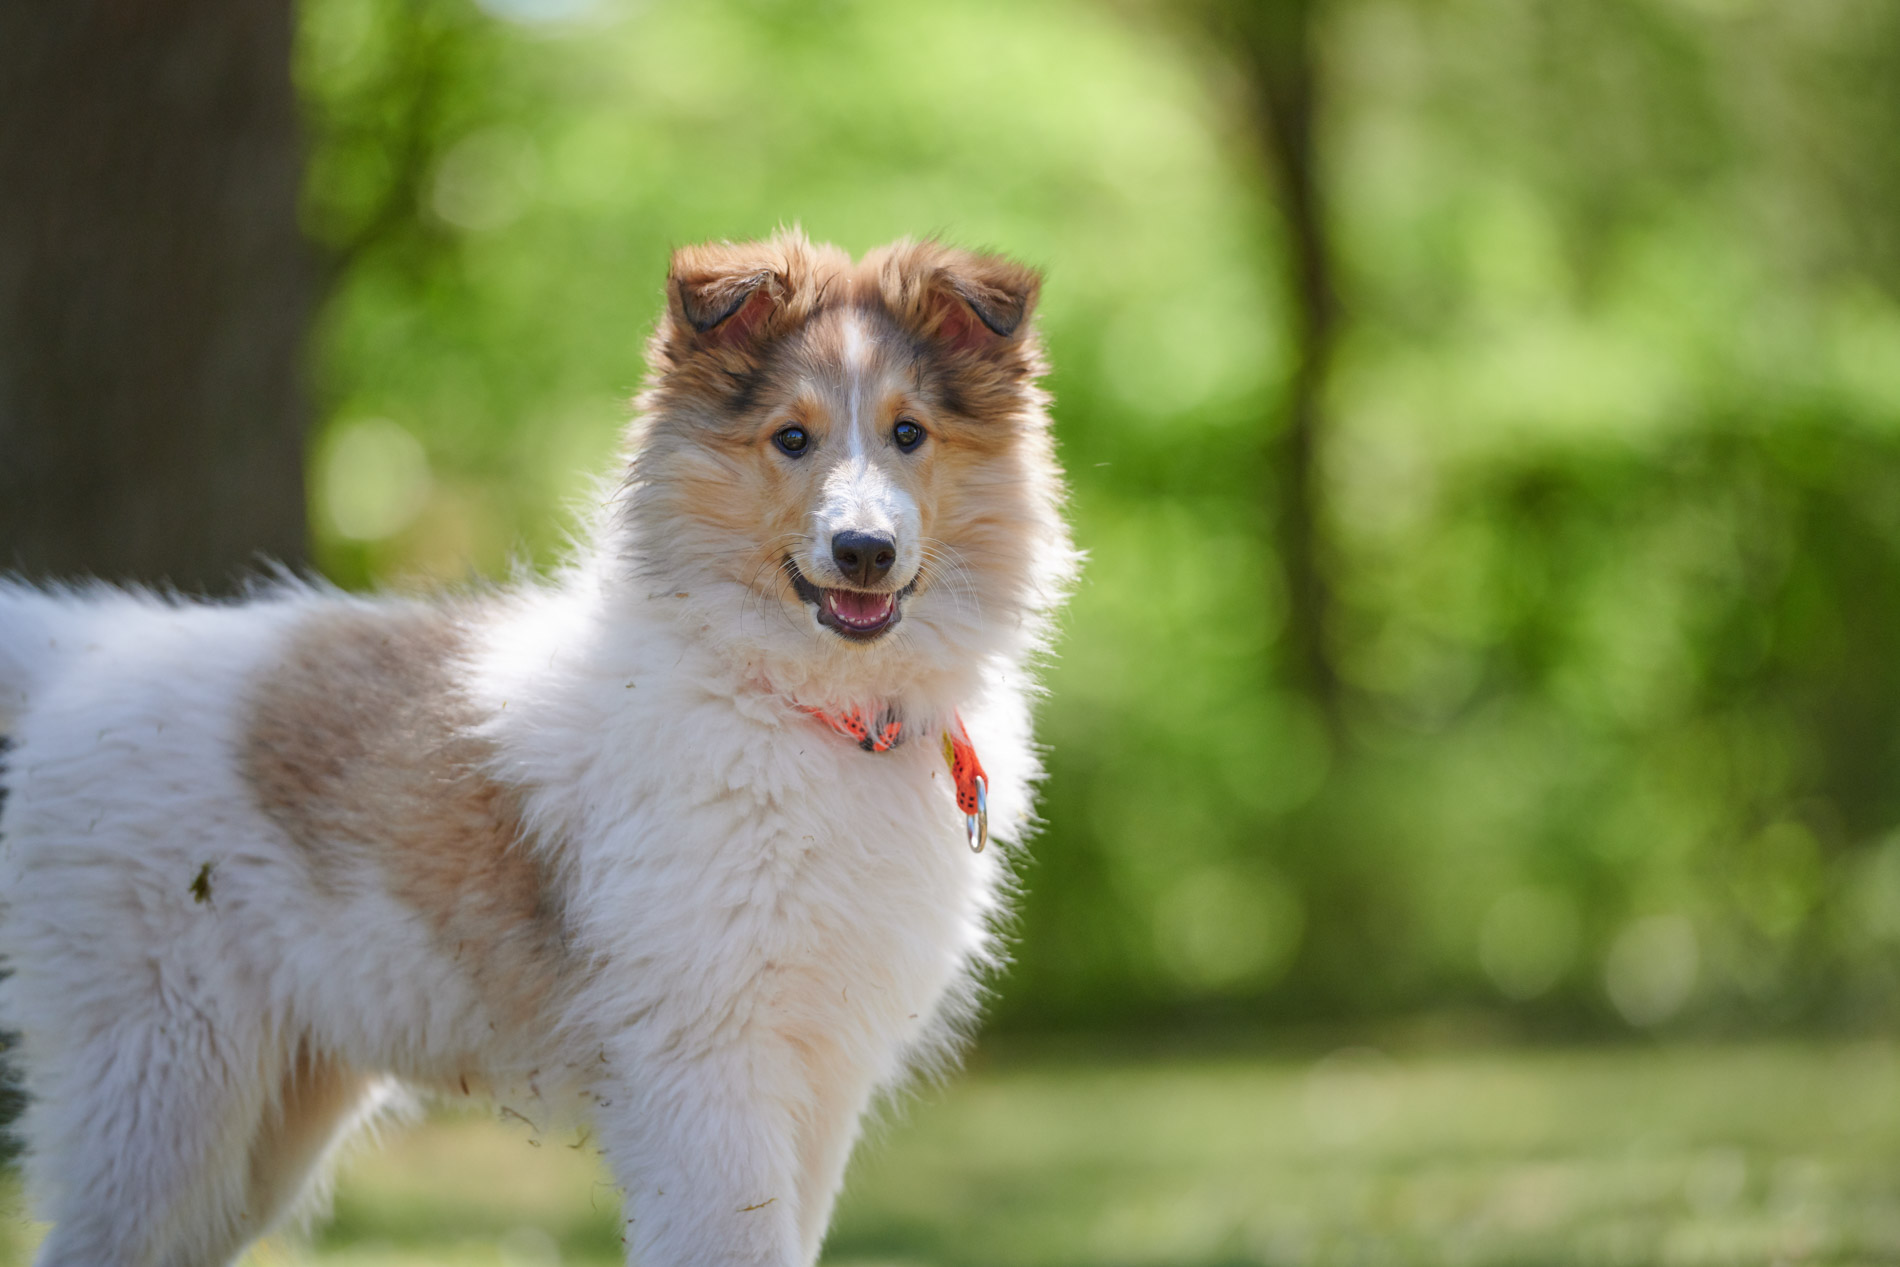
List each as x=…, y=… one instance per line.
x=669, y=844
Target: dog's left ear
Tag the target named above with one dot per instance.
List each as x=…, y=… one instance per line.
x=965, y=302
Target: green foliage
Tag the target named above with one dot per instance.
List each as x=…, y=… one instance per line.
x=1611, y=476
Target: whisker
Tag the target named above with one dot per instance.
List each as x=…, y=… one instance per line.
x=945, y=562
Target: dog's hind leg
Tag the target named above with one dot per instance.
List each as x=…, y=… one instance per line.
x=321, y=1103
x=140, y=1140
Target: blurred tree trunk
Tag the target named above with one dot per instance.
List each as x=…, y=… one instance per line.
x=1271, y=44
x=155, y=293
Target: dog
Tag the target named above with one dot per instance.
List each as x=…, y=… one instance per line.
x=683, y=846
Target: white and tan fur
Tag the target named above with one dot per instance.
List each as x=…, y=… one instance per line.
x=263, y=865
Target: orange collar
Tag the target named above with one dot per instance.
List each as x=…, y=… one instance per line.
x=886, y=730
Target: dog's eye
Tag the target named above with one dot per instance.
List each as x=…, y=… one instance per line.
x=791, y=441
x=907, y=434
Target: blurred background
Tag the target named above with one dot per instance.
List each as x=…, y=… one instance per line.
x=1484, y=424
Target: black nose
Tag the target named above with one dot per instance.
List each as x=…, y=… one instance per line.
x=863, y=557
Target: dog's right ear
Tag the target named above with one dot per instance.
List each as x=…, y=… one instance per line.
x=735, y=298
x=722, y=307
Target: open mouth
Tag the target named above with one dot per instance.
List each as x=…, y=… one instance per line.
x=860, y=615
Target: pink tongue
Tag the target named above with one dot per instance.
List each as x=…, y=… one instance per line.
x=860, y=609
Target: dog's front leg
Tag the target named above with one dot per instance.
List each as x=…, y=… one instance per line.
x=705, y=1148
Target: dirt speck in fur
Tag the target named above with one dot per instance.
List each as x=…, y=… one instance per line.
x=201, y=884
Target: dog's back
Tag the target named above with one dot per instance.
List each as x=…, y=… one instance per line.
x=31, y=626
x=124, y=989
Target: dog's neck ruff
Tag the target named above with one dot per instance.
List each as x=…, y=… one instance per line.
x=885, y=730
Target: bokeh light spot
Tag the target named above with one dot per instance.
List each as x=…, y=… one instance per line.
x=1528, y=940
x=1222, y=927
x=1651, y=969
x=373, y=479
x=486, y=180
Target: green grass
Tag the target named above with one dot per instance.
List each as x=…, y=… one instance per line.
x=1742, y=1155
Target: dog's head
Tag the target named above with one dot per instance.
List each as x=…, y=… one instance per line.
x=845, y=469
